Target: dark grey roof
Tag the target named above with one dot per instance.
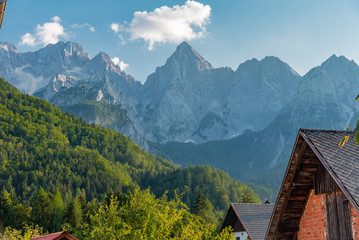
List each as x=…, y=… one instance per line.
x=255, y=218
x=344, y=162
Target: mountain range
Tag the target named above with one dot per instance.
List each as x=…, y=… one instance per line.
x=243, y=121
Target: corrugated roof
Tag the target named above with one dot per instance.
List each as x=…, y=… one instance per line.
x=255, y=218
x=343, y=161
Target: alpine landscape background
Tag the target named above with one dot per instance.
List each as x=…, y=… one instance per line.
x=243, y=121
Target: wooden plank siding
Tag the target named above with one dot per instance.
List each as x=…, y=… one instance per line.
x=324, y=183
x=338, y=216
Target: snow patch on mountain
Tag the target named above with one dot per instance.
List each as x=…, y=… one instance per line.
x=99, y=96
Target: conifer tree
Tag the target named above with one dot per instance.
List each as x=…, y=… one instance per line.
x=198, y=204
x=74, y=213
x=56, y=211
x=6, y=209
x=39, y=213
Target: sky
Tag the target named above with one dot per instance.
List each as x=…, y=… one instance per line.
x=139, y=35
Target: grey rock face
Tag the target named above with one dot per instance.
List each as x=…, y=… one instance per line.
x=325, y=100
x=188, y=100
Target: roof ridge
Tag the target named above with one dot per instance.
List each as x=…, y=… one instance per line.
x=326, y=130
x=49, y=235
x=261, y=204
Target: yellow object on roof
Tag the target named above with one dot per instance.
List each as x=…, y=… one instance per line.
x=2, y=10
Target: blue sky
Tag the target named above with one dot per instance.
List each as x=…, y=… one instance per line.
x=302, y=33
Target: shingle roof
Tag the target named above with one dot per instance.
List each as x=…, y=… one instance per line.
x=255, y=218
x=344, y=162
x=54, y=236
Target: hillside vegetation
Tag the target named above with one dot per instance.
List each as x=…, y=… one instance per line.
x=48, y=158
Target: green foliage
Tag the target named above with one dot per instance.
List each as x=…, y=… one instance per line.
x=143, y=216
x=248, y=196
x=230, y=155
x=26, y=234
x=215, y=185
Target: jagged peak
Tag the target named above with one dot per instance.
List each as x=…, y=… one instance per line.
x=184, y=46
x=186, y=55
x=66, y=48
x=101, y=56
x=272, y=61
x=334, y=59
x=104, y=61
x=8, y=47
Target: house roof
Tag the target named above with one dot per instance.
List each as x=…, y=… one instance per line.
x=342, y=162
x=313, y=149
x=254, y=217
x=55, y=236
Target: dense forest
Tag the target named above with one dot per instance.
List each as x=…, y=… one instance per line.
x=57, y=171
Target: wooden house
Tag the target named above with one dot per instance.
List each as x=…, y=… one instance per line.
x=2, y=10
x=248, y=221
x=319, y=195
x=56, y=236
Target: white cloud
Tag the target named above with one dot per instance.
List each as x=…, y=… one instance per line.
x=170, y=24
x=28, y=39
x=115, y=27
x=49, y=32
x=120, y=63
x=56, y=19
x=92, y=29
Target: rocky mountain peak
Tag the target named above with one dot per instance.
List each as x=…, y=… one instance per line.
x=8, y=47
x=72, y=49
x=187, y=57
x=267, y=64
x=103, y=57
x=56, y=58
x=102, y=62
x=335, y=63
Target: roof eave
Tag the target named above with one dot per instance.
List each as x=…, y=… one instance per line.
x=271, y=235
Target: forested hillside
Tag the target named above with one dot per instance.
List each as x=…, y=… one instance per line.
x=48, y=158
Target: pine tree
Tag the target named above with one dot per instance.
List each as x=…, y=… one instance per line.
x=6, y=209
x=39, y=213
x=203, y=207
x=84, y=205
x=198, y=204
x=56, y=212
x=74, y=213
